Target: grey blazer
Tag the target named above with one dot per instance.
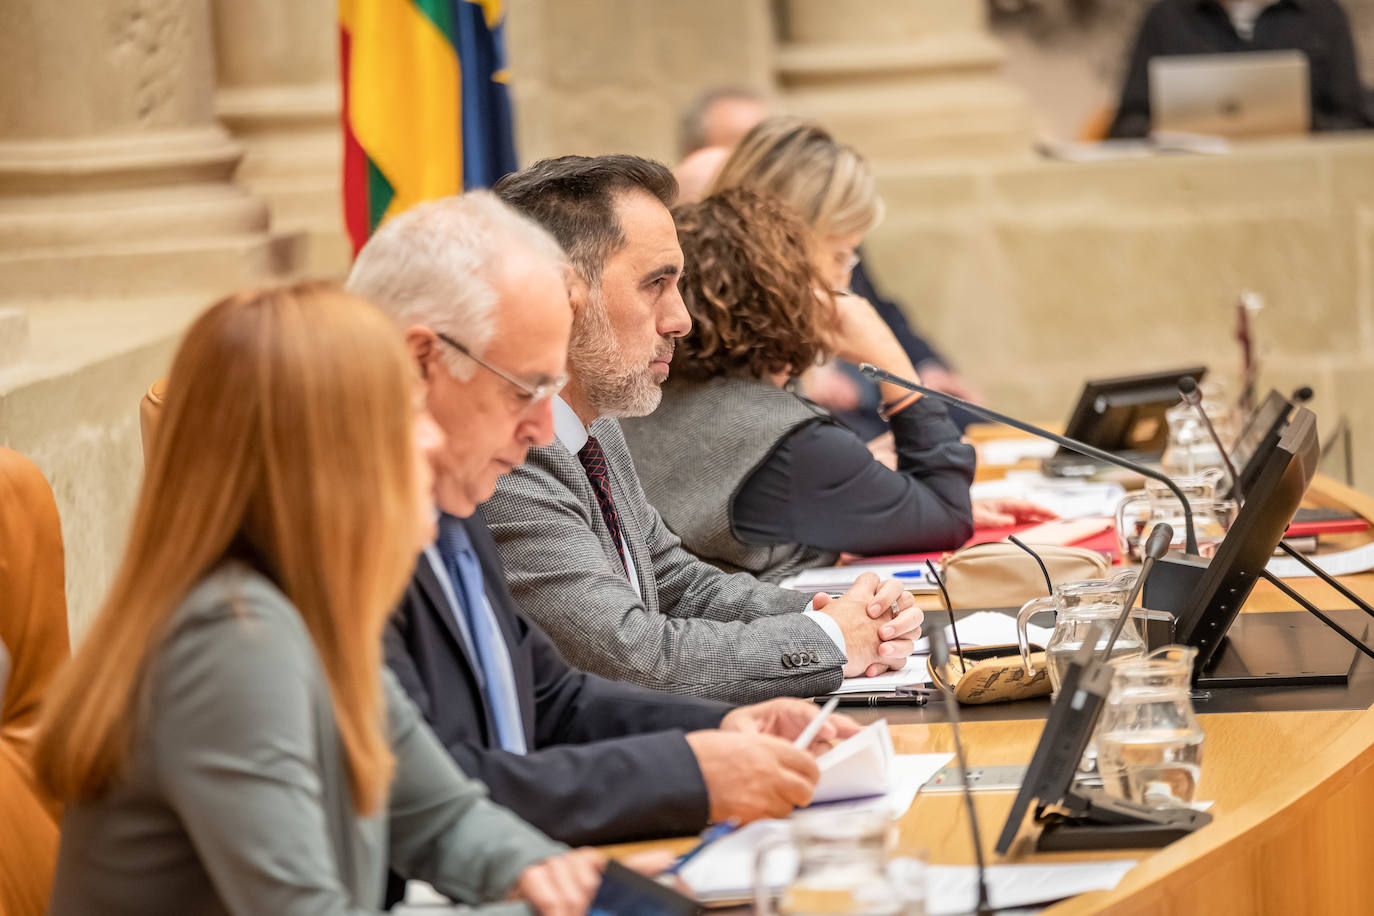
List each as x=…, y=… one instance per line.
x=696, y=630
x=236, y=796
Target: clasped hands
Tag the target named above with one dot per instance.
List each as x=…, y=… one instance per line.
x=880, y=622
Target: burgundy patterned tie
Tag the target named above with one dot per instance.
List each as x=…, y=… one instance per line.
x=594, y=461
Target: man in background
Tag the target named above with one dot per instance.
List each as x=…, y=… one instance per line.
x=1318, y=28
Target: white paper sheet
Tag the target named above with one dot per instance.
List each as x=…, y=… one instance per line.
x=953, y=889
x=913, y=674
x=857, y=767
x=725, y=873
x=840, y=578
x=1341, y=563
x=1010, y=451
x=725, y=870
x=987, y=628
x=1066, y=498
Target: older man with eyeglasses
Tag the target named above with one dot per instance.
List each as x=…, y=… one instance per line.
x=480, y=294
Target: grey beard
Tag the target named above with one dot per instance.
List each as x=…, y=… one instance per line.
x=611, y=387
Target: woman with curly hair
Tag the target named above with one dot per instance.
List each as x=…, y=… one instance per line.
x=752, y=476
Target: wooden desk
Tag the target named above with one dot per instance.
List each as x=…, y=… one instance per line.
x=1293, y=828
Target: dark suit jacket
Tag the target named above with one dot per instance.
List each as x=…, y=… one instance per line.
x=607, y=762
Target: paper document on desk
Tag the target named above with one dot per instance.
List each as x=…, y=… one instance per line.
x=724, y=875
x=1065, y=498
x=857, y=767
x=1341, y=563
x=987, y=628
x=913, y=674
x=953, y=889
x=1009, y=451
x=724, y=872
x=838, y=579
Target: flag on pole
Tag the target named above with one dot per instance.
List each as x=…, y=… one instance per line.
x=426, y=111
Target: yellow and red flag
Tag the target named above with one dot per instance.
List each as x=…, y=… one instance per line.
x=425, y=107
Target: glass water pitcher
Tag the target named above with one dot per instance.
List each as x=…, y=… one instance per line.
x=1191, y=449
x=1077, y=607
x=842, y=866
x=1139, y=512
x=1149, y=742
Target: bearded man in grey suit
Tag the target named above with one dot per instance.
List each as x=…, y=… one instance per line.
x=585, y=553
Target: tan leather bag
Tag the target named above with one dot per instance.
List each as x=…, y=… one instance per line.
x=1000, y=574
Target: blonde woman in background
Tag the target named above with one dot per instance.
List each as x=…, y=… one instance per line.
x=832, y=187
x=225, y=741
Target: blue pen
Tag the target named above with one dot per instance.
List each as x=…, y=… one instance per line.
x=916, y=573
x=709, y=836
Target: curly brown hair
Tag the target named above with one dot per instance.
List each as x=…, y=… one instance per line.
x=759, y=304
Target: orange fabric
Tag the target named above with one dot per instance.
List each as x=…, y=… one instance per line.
x=149, y=409
x=1094, y=129
x=33, y=627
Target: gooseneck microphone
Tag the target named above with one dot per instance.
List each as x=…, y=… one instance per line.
x=1192, y=396
x=1156, y=546
x=939, y=653
x=1082, y=448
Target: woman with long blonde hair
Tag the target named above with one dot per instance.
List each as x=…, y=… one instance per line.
x=225, y=740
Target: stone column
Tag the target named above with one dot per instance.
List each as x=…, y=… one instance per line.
x=901, y=79
x=119, y=222
x=279, y=93
x=115, y=178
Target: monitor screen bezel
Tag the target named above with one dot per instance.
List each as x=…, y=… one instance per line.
x=1088, y=424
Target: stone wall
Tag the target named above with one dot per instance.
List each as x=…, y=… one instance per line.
x=609, y=76
x=1033, y=276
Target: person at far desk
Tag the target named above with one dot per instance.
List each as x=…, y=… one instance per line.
x=585, y=553
x=1318, y=28
x=227, y=739
x=758, y=479
x=479, y=293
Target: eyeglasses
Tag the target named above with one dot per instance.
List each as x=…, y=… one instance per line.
x=534, y=393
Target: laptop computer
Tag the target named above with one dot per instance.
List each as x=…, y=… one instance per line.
x=1249, y=94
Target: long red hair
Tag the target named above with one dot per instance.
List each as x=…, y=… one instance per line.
x=286, y=436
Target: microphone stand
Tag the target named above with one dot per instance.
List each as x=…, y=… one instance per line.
x=939, y=653
x=1188, y=389
x=1190, y=534
x=1156, y=546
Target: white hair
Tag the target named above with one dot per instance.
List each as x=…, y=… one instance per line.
x=438, y=265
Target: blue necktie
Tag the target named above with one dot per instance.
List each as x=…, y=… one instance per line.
x=465, y=572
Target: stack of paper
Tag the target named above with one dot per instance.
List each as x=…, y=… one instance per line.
x=913, y=674
x=861, y=774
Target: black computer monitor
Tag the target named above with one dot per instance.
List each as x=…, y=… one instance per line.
x=1126, y=414
x=1281, y=478
x=1258, y=438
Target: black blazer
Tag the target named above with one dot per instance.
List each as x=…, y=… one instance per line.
x=607, y=761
